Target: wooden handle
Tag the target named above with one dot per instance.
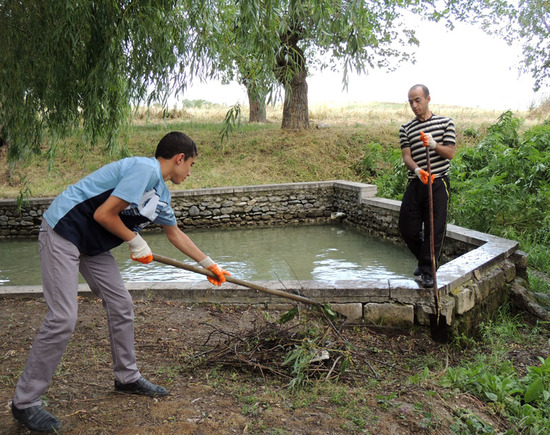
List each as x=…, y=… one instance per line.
x=253, y=286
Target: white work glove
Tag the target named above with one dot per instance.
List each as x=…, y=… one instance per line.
x=139, y=250
x=207, y=263
x=428, y=140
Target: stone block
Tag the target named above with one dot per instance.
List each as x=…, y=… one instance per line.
x=423, y=312
x=350, y=311
x=368, y=290
x=389, y=314
x=509, y=270
x=409, y=291
x=520, y=259
x=490, y=282
x=465, y=299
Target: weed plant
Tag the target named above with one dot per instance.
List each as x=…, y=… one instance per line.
x=500, y=185
x=522, y=398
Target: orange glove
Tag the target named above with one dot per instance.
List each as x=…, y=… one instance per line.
x=207, y=263
x=428, y=140
x=139, y=250
x=424, y=176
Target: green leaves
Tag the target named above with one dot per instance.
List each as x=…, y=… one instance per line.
x=538, y=382
x=328, y=312
x=288, y=316
x=523, y=22
x=534, y=391
x=504, y=180
x=231, y=120
x=523, y=400
x=71, y=64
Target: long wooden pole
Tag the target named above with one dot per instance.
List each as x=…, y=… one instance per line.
x=253, y=286
x=432, y=236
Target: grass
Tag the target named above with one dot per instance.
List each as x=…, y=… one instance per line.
x=253, y=154
x=520, y=394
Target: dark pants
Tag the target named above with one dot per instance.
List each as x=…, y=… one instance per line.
x=414, y=219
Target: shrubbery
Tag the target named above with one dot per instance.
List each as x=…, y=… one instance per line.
x=522, y=398
x=500, y=186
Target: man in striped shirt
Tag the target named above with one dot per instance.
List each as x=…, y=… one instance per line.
x=440, y=138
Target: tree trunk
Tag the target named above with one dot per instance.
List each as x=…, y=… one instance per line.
x=256, y=102
x=295, y=109
x=292, y=72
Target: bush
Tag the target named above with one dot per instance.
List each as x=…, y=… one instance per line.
x=383, y=166
x=522, y=399
x=500, y=186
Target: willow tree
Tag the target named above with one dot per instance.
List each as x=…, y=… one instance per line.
x=531, y=27
x=270, y=45
x=257, y=91
x=289, y=36
x=68, y=64
x=82, y=64
x=523, y=22
x=241, y=43
x=293, y=36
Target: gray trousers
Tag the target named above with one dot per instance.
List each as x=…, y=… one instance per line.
x=61, y=261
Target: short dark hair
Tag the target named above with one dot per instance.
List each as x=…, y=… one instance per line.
x=174, y=143
x=424, y=89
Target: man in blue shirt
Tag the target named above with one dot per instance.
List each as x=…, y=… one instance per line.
x=105, y=209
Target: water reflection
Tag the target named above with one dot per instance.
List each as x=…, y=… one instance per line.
x=321, y=253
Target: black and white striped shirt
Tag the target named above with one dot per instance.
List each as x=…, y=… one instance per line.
x=443, y=131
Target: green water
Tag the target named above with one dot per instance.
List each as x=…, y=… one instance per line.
x=321, y=253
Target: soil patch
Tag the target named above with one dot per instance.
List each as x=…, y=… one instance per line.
x=377, y=396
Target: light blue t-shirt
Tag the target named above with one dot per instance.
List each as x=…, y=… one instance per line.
x=136, y=180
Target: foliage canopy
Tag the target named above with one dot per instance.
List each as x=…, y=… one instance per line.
x=276, y=42
x=67, y=63
x=87, y=62
x=526, y=22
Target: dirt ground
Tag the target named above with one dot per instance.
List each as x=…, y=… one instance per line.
x=228, y=400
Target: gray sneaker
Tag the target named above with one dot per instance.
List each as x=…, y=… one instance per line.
x=36, y=418
x=142, y=386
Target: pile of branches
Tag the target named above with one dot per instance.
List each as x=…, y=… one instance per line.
x=295, y=348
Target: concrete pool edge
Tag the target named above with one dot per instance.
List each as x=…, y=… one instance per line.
x=475, y=281
x=463, y=283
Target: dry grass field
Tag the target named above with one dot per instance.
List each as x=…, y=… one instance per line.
x=252, y=154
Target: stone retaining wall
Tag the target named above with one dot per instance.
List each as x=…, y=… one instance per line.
x=207, y=208
x=474, y=279
x=279, y=204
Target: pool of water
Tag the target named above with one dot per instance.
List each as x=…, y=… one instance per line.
x=318, y=252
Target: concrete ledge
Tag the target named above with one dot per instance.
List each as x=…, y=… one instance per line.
x=254, y=188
